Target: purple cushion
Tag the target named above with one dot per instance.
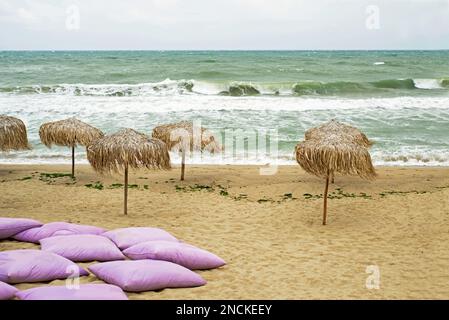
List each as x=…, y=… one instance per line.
x=127, y=237
x=82, y=247
x=180, y=253
x=6, y=291
x=12, y=226
x=145, y=275
x=85, y=292
x=56, y=229
x=29, y=265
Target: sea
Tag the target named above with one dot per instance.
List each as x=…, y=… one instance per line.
x=400, y=99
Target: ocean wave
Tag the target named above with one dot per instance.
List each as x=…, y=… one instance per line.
x=330, y=88
x=237, y=89
x=240, y=157
x=164, y=87
x=241, y=89
x=408, y=84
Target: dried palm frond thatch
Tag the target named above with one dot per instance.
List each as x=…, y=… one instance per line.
x=345, y=131
x=324, y=156
x=185, y=135
x=68, y=133
x=13, y=134
x=125, y=149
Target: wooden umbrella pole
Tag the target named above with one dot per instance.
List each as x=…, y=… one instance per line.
x=325, y=199
x=183, y=163
x=125, y=208
x=73, y=161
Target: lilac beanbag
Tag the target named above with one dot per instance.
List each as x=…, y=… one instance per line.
x=127, y=237
x=6, y=291
x=82, y=247
x=12, y=226
x=146, y=275
x=30, y=265
x=56, y=229
x=180, y=253
x=84, y=292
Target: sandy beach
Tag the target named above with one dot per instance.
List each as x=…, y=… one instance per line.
x=267, y=228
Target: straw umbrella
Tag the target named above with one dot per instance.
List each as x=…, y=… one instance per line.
x=331, y=154
x=13, y=134
x=185, y=135
x=126, y=149
x=335, y=127
x=69, y=133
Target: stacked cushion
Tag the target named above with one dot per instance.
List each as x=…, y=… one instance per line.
x=180, y=253
x=17, y=266
x=146, y=275
x=127, y=237
x=84, y=292
x=12, y=226
x=85, y=247
x=56, y=229
x=6, y=291
x=159, y=260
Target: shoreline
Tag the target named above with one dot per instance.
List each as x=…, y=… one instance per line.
x=176, y=165
x=267, y=228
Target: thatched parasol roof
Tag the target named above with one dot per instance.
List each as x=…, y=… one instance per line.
x=345, y=131
x=173, y=133
x=125, y=148
x=331, y=154
x=13, y=134
x=69, y=132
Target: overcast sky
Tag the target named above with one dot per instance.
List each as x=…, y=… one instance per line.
x=220, y=24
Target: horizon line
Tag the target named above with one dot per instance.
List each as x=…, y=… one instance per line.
x=199, y=50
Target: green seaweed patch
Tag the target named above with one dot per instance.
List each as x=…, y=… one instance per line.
x=312, y=196
x=97, y=185
x=338, y=194
x=223, y=190
x=146, y=187
x=54, y=175
x=180, y=188
x=265, y=200
x=401, y=193
x=288, y=196
x=199, y=187
x=121, y=185
x=25, y=178
x=195, y=187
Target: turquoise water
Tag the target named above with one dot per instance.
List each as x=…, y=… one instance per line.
x=399, y=98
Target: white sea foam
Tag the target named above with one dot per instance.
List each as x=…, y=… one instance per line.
x=407, y=130
x=429, y=84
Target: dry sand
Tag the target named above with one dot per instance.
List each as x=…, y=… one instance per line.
x=266, y=229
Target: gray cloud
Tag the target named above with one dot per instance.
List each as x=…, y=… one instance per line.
x=230, y=24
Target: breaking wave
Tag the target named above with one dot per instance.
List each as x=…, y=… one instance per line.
x=236, y=89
